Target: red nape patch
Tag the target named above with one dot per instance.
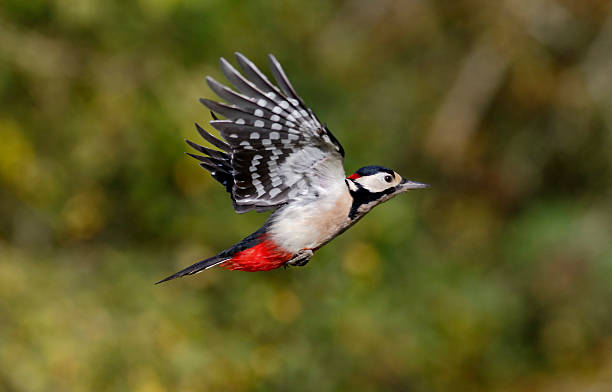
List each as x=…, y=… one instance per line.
x=354, y=176
x=264, y=256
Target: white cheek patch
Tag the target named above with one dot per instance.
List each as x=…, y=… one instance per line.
x=374, y=183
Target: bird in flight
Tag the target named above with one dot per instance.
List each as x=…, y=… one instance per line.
x=277, y=155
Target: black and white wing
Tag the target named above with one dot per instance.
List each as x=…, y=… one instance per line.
x=275, y=148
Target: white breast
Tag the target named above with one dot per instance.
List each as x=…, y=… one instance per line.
x=310, y=223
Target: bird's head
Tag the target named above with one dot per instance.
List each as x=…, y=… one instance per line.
x=373, y=185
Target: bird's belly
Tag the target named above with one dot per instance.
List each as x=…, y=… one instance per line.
x=311, y=225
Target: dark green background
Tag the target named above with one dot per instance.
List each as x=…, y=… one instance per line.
x=498, y=277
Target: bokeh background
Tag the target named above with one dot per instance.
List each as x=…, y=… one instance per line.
x=497, y=278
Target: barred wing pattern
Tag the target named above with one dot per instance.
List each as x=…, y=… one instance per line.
x=275, y=148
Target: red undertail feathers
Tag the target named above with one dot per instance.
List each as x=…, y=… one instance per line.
x=262, y=257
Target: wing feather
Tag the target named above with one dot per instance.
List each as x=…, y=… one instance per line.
x=283, y=80
x=275, y=148
x=243, y=85
x=208, y=151
x=213, y=140
x=255, y=75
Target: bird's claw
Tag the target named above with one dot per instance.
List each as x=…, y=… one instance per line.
x=301, y=258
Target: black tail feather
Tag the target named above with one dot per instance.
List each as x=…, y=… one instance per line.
x=227, y=254
x=195, y=268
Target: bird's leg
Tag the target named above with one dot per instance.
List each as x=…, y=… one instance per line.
x=301, y=258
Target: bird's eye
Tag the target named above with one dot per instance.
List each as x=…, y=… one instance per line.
x=388, y=178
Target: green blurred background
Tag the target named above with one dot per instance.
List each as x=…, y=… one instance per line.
x=497, y=278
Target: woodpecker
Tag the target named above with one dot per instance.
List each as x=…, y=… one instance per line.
x=277, y=155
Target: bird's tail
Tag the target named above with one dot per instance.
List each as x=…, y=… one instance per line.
x=249, y=243
x=197, y=267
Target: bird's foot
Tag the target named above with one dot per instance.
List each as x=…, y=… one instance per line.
x=301, y=258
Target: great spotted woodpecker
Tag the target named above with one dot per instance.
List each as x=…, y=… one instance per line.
x=277, y=155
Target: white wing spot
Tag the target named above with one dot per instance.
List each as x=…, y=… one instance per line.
x=270, y=95
x=274, y=192
x=240, y=121
x=245, y=143
x=257, y=157
x=277, y=109
x=258, y=112
x=262, y=102
x=266, y=142
x=259, y=124
x=274, y=136
x=234, y=136
x=293, y=137
x=277, y=181
x=284, y=104
x=255, y=175
x=254, y=135
x=274, y=117
x=294, y=102
x=277, y=126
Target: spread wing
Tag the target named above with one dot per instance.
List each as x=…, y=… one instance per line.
x=275, y=149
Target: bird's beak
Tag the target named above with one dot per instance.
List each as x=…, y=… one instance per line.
x=405, y=185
